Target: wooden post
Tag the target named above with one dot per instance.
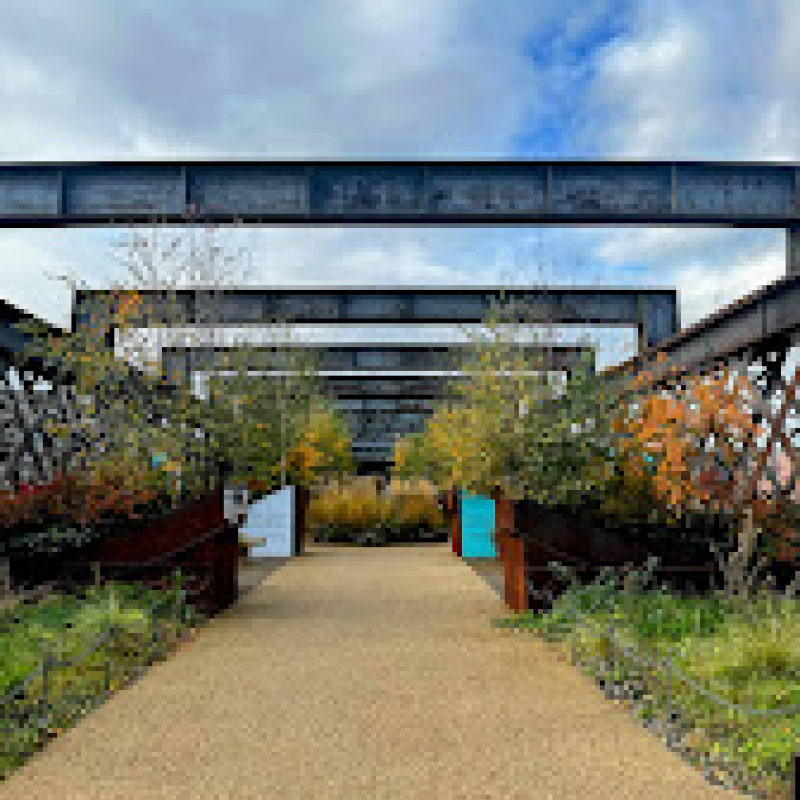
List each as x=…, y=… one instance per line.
x=516, y=593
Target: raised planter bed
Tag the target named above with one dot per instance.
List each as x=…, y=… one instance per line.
x=195, y=538
x=541, y=535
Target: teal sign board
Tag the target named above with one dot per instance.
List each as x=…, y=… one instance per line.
x=477, y=526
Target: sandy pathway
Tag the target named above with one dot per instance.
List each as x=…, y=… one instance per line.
x=361, y=673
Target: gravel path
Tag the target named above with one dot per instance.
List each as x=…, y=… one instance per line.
x=361, y=673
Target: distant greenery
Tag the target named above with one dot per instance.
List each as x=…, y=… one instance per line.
x=748, y=656
x=63, y=628
x=355, y=510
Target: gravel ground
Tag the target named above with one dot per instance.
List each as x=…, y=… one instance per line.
x=253, y=571
x=361, y=673
x=490, y=570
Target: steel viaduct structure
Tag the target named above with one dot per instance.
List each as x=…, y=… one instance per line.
x=675, y=193
x=385, y=389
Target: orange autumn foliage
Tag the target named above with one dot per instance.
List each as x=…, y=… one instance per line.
x=692, y=442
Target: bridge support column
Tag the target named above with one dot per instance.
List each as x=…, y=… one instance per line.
x=793, y=251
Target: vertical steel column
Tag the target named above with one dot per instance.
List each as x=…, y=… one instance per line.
x=793, y=251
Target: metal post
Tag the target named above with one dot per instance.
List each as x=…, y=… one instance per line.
x=796, y=776
x=793, y=251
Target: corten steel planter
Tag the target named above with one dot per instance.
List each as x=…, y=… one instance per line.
x=302, y=496
x=504, y=520
x=196, y=538
x=584, y=544
x=455, y=521
x=515, y=586
x=511, y=551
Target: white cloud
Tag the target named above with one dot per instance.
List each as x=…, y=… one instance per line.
x=29, y=270
x=382, y=78
x=705, y=287
x=713, y=80
x=324, y=77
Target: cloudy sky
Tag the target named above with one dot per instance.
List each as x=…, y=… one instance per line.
x=661, y=79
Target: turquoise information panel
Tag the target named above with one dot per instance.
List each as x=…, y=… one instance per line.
x=477, y=526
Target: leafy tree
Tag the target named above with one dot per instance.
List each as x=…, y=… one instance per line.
x=696, y=443
x=324, y=449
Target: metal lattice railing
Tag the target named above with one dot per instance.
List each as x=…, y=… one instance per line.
x=44, y=702
x=652, y=685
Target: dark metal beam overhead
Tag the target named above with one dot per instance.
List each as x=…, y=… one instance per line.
x=769, y=314
x=653, y=311
x=399, y=192
x=180, y=362
x=12, y=339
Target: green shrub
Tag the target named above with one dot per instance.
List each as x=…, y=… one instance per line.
x=747, y=657
x=66, y=628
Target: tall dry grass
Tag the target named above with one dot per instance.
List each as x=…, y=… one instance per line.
x=358, y=505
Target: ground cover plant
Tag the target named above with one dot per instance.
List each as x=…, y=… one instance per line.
x=67, y=652
x=722, y=657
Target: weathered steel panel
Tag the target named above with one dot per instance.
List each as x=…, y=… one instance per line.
x=31, y=191
x=403, y=359
x=793, y=250
x=660, y=318
x=449, y=306
x=241, y=307
x=390, y=405
x=12, y=340
x=249, y=190
x=782, y=311
x=748, y=190
x=448, y=192
x=603, y=189
x=596, y=307
x=366, y=189
x=731, y=333
x=422, y=386
x=115, y=192
x=306, y=306
x=503, y=190
x=378, y=306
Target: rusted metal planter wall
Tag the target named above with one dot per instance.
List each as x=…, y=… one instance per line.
x=455, y=521
x=302, y=496
x=452, y=519
x=196, y=538
x=511, y=551
x=547, y=535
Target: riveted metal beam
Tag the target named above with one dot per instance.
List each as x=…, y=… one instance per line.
x=398, y=192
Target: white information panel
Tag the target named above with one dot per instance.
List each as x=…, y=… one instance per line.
x=272, y=519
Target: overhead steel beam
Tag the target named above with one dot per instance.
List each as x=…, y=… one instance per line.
x=793, y=251
x=399, y=192
x=178, y=363
x=13, y=340
x=366, y=386
x=762, y=318
x=653, y=311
